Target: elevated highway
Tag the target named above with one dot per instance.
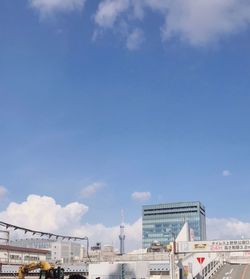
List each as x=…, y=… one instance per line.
x=233, y=271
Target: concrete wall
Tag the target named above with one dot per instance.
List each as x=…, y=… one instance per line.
x=126, y=270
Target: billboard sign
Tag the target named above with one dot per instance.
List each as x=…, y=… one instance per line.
x=242, y=245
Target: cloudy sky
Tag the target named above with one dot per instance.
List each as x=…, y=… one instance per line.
x=111, y=104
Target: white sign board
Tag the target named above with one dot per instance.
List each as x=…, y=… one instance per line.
x=242, y=245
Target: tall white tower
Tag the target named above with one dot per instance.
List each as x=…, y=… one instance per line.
x=122, y=235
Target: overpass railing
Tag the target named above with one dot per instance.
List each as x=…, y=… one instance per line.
x=212, y=268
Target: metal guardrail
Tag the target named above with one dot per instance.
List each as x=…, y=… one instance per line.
x=132, y=257
x=212, y=268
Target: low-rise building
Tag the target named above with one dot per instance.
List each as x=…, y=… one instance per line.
x=18, y=255
x=59, y=251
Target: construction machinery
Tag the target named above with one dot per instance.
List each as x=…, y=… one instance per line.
x=47, y=270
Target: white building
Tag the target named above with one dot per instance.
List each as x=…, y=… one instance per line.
x=59, y=251
x=19, y=255
x=129, y=270
x=66, y=252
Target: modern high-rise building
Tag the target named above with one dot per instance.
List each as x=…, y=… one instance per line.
x=163, y=222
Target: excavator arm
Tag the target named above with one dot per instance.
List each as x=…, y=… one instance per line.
x=25, y=269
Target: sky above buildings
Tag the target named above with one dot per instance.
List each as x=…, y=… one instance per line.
x=111, y=104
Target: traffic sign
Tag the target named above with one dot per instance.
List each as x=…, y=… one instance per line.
x=200, y=260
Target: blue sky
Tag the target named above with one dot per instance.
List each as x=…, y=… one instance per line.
x=126, y=96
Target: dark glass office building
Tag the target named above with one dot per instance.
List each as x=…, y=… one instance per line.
x=163, y=222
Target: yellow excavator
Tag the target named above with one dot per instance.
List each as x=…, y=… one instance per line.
x=47, y=270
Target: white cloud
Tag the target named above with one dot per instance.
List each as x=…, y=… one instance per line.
x=91, y=189
x=205, y=21
x=226, y=173
x=44, y=214
x=109, y=10
x=197, y=22
x=141, y=196
x=3, y=192
x=230, y=228
x=135, y=39
x=110, y=235
x=46, y=7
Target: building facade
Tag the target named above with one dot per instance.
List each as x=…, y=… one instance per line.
x=163, y=222
x=63, y=251
x=18, y=255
